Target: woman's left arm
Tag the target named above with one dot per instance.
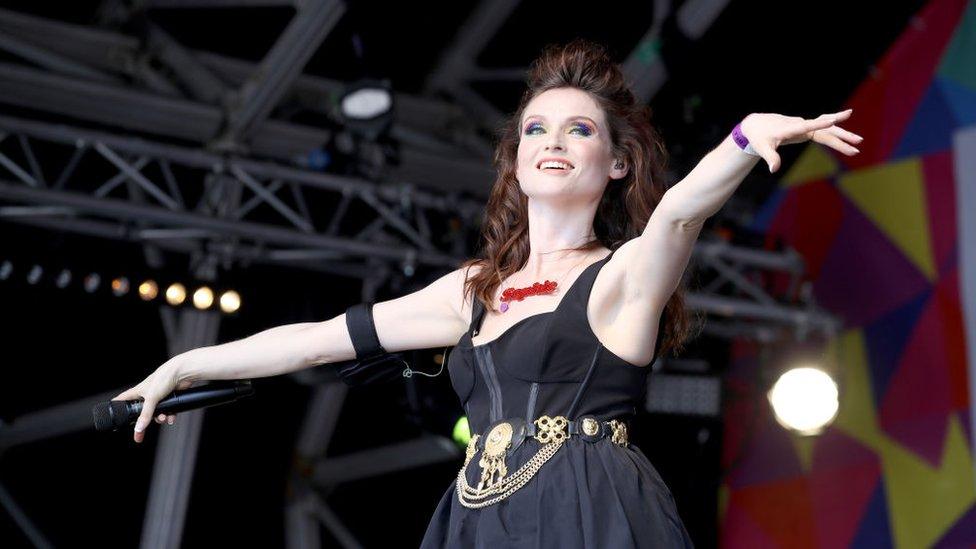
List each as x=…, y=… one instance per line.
x=710, y=184
x=654, y=262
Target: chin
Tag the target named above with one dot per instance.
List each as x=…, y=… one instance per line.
x=545, y=188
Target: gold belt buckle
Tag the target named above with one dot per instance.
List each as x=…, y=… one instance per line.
x=551, y=429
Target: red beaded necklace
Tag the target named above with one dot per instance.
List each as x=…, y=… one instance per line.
x=537, y=288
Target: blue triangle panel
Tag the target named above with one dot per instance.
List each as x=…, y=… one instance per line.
x=885, y=340
x=874, y=530
x=760, y=223
x=931, y=128
x=961, y=99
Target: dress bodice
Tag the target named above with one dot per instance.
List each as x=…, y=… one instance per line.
x=537, y=366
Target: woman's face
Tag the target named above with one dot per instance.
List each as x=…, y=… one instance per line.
x=567, y=126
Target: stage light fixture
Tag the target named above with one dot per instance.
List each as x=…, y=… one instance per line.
x=120, y=286
x=203, y=298
x=34, y=275
x=63, y=279
x=148, y=290
x=91, y=282
x=804, y=400
x=462, y=431
x=366, y=100
x=175, y=294
x=366, y=107
x=6, y=268
x=230, y=301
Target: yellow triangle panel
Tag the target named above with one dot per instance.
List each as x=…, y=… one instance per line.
x=924, y=502
x=814, y=163
x=856, y=415
x=893, y=196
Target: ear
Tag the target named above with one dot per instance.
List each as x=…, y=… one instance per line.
x=618, y=168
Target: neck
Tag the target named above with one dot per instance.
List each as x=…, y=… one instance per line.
x=553, y=229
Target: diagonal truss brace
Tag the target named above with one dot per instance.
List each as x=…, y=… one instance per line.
x=404, y=212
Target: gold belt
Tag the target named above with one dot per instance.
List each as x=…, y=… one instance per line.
x=502, y=438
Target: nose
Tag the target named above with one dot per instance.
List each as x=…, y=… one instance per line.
x=554, y=144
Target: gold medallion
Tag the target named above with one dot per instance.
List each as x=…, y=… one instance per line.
x=492, y=461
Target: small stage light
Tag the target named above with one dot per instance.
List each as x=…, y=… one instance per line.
x=366, y=108
x=91, y=282
x=366, y=100
x=230, y=301
x=5, y=269
x=35, y=274
x=63, y=279
x=148, y=290
x=203, y=298
x=462, y=432
x=120, y=286
x=175, y=294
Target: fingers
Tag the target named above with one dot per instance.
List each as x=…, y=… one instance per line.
x=839, y=139
x=130, y=394
x=826, y=120
x=163, y=418
x=144, y=418
x=847, y=136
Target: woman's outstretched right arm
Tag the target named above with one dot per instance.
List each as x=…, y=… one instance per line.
x=434, y=316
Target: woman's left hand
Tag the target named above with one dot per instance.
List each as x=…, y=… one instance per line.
x=767, y=131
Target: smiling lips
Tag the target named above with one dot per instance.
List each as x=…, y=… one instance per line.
x=554, y=165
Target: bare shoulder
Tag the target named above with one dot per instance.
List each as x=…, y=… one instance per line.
x=450, y=289
x=437, y=315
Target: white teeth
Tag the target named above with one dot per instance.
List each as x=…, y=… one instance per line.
x=553, y=164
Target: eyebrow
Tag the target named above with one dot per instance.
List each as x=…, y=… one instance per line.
x=587, y=118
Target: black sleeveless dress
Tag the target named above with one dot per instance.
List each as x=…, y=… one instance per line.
x=589, y=494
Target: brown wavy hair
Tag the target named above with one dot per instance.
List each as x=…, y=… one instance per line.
x=626, y=204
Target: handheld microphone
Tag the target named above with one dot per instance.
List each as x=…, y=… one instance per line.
x=113, y=414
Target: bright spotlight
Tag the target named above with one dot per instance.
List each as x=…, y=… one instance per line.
x=366, y=102
x=366, y=108
x=230, y=301
x=35, y=274
x=175, y=294
x=91, y=282
x=804, y=400
x=63, y=279
x=203, y=298
x=148, y=290
x=120, y=286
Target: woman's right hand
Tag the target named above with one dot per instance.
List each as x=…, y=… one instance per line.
x=151, y=390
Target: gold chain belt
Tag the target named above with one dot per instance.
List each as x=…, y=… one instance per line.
x=551, y=432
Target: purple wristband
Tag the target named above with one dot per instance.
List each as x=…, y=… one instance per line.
x=740, y=139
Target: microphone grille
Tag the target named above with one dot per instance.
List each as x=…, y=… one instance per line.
x=109, y=415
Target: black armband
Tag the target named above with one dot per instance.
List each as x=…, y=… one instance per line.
x=373, y=363
x=362, y=331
